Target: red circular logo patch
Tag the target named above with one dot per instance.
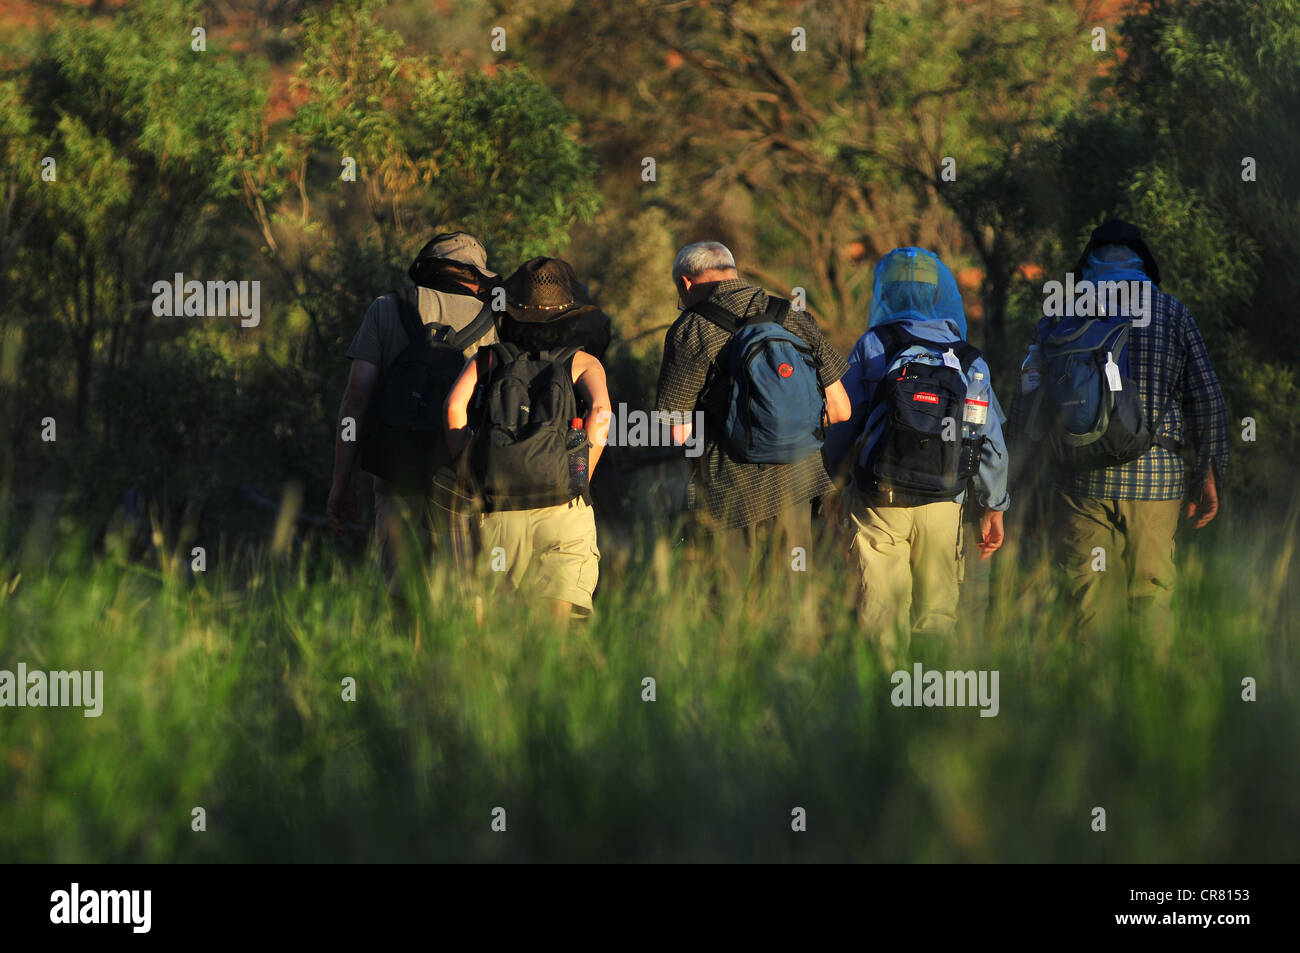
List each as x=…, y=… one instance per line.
x=785, y=370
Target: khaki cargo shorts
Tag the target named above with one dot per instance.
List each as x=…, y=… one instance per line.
x=548, y=552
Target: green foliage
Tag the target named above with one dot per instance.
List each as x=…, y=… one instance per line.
x=223, y=690
x=1204, y=86
x=838, y=148
x=168, y=161
x=493, y=155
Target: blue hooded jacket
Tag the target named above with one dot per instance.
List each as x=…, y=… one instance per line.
x=915, y=290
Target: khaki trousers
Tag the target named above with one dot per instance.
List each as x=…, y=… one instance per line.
x=766, y=548
x=416, y=529
x=909, y=559
x=1117, y=557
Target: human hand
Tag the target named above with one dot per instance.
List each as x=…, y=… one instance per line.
x=1204, y=507
x=991, y=533
x=342, y=504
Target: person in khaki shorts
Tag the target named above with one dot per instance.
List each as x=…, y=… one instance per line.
x=549, y=552
x=908, y=548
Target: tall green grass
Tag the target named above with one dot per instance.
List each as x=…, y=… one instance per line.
x=223, y=691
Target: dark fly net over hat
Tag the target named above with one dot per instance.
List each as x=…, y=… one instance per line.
x=1118, y=232
x=913, y=284
x=453, y=248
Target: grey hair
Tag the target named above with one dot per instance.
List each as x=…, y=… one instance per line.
x=700, y=257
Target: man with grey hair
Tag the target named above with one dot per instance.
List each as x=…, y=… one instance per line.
x=747, y=509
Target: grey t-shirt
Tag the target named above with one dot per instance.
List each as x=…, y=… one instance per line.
x=381, y=336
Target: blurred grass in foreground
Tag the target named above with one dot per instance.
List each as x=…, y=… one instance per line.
x=223, y=690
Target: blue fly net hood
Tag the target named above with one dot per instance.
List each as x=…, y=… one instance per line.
x=912, y=284
x=1114, y=263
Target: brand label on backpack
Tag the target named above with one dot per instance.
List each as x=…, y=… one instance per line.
x=913, y=456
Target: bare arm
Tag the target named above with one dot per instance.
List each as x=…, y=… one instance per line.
x=589, y=381
x=838, y=406
x=356, y=401
x=457, y=408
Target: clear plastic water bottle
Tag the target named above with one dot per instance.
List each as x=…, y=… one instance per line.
x=1030, y=369
x=577, y=447
x=977, y=406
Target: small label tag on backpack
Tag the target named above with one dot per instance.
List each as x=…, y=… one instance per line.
x=950, y=359
x=1112, y=373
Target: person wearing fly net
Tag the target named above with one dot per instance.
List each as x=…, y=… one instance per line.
x=925, y=424
x=1130, y=510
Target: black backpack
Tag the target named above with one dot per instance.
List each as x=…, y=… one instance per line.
x=910, y=463
x=524, y=409
x=404, y=440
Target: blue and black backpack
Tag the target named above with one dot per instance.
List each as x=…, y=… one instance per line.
x=766, y=393
x=921, y=455
x=1089, y=407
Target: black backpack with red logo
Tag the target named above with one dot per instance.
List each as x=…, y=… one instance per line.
x=920, y=456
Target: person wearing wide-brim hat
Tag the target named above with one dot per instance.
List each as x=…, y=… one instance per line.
x=550, y=549
x=547, y=306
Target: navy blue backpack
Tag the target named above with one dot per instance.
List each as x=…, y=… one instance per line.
x=774, y=403
x=1090, y=407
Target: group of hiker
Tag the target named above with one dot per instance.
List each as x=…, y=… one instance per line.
x=481, y=408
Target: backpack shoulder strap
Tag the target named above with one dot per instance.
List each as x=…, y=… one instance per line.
x=408, y=312
x=485, y=362
x=966, y=354
x=894, y=339
x=563, y=355
x=777, y=310
x=1161, y=440
x=717, y=315
x=492, y=358
x=471, y=332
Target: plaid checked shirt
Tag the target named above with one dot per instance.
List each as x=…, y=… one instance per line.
x=736, y=493
x=1174, y=375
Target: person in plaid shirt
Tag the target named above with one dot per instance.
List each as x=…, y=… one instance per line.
x=1131, y=511
x=747, y=508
